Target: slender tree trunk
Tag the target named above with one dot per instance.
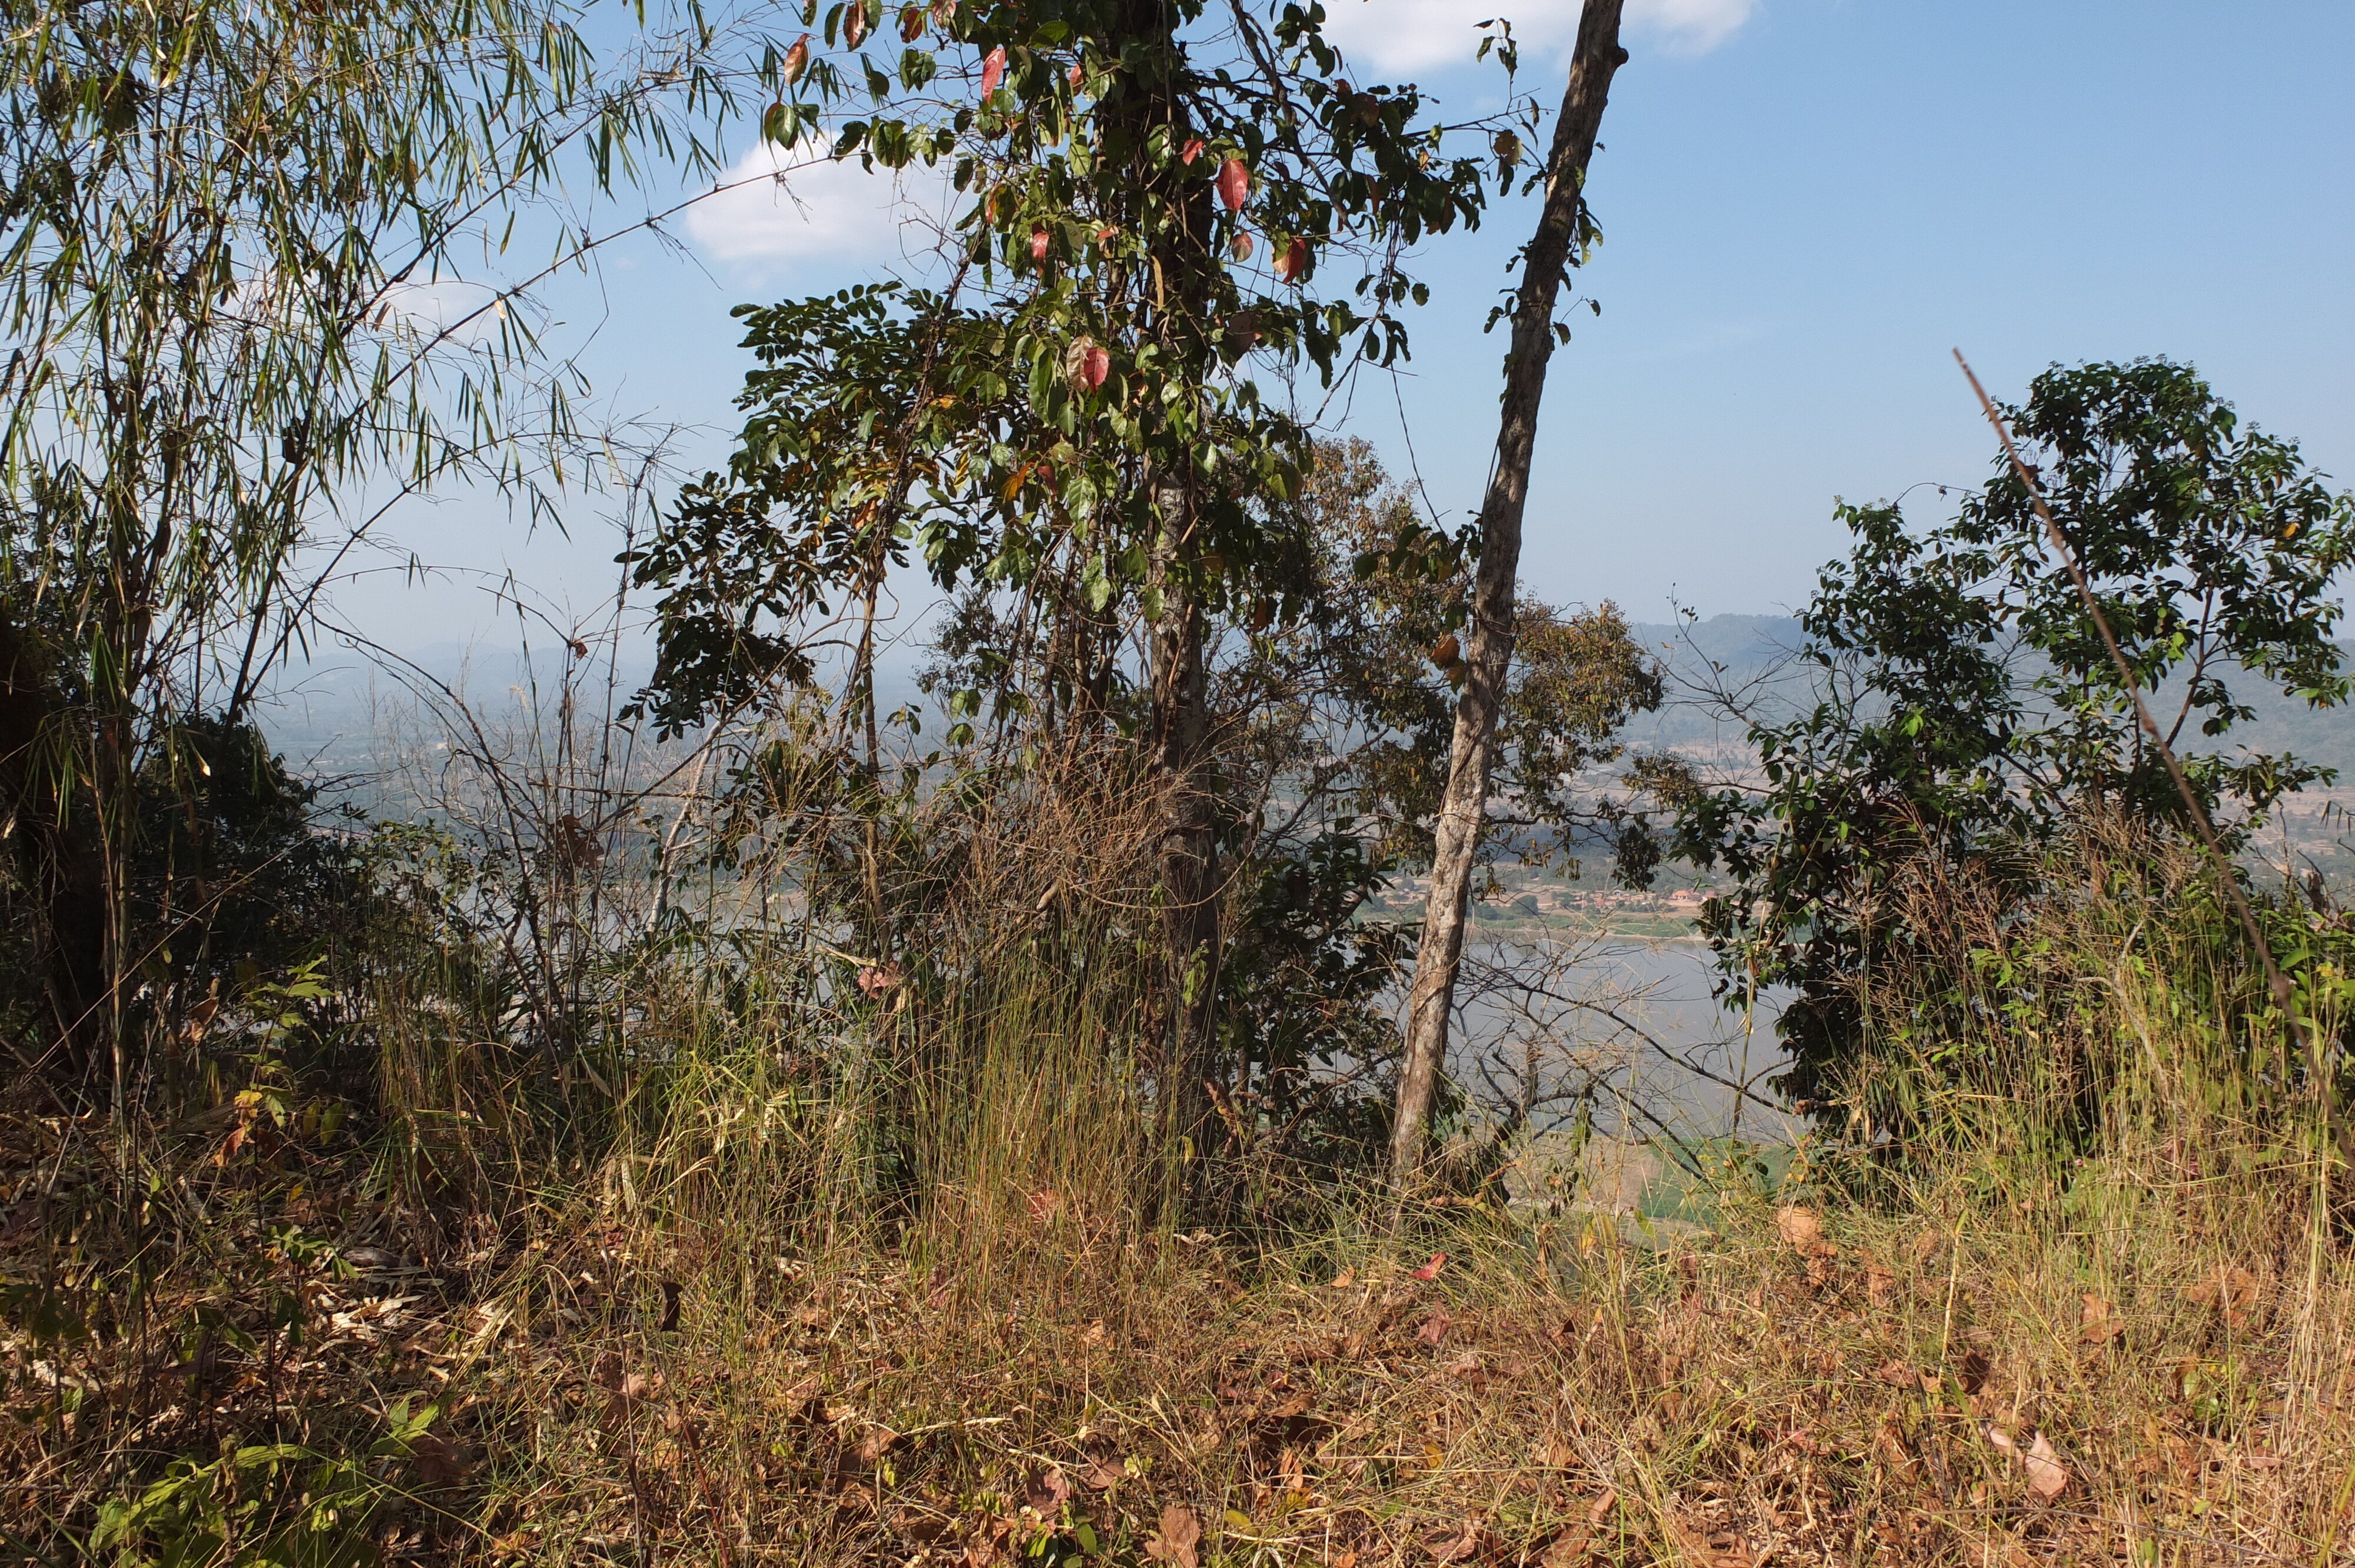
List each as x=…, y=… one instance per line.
x=1178, y=750
x=45, y=805
x=1188, y=838
x=1488, y=650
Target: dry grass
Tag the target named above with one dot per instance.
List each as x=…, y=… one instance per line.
x=1055, y=1380
x=886, y=1284
x=1567, y=1394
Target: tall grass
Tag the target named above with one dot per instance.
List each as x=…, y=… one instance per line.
x=853, y=1233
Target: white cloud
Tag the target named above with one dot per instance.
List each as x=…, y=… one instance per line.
x=1689, y=26
x=779, y=205
x=1417, y=35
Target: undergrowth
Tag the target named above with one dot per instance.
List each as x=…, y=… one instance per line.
x=906, y=1273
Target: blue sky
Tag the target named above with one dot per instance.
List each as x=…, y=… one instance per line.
x=1806, y=204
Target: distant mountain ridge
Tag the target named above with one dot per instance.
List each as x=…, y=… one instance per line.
x=1749, y=646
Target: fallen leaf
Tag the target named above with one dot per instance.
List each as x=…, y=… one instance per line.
x=1568, y=1550
x=1343, y=1280
x=1045, y=1491
x=2097, y=1324
x=1431, y=1270
x=1456, y=1545
x=1559, y=1453
x=1173, y=1543
x=2047, y=1478
x=1973, y=1371
x=439, y=1463
x=1877, y=1283
x=2233, y=1291
x=1904, y=1374
x=1103, y=1475
x=1433, y=1328
x=1803, y=1233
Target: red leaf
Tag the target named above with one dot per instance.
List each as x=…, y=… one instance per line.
x=854, y=23
x=1294, y=262
x=1234, y=184
x=911, y=24
x=1431, y=1270
x=1191, y=151
x=1098, y=367
x=1242, y=246
x=1038, y=243
x=1079, y=73
x=797, y=59
x=993, y=70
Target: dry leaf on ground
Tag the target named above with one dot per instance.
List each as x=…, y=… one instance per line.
x=2231, y=1290
x=1045, y=1491
x=2047, y=1478
x=1803, y=1233
x=1431, y=1270
x=1906, y=1375
x=1173, y=1543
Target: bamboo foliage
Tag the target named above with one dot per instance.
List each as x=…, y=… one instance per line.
x=263, y=273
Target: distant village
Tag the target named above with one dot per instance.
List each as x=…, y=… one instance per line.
x=1541, y=895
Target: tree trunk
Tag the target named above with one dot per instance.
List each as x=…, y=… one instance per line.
x=1189, y=843
x=1488, y=650
x=1178, y=751
x=49, y=815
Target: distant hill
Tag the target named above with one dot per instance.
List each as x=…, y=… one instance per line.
x=1757, y=648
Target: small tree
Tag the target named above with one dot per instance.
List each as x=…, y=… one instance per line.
x=1081, y=423
x=1967, y=712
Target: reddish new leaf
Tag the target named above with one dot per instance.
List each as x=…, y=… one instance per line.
x=993, y=70
x=797, y=59
x=1234, y=184
x=1294, y=262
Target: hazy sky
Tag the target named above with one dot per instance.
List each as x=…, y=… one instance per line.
x=1806, y=204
